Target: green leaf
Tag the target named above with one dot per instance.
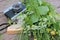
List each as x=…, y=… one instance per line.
x=28, y=21
x=51, y=7
x=46, y=36
x=43, y=10
x=40, y=2
x=34, y=18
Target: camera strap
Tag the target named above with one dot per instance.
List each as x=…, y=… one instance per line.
x=4, y=27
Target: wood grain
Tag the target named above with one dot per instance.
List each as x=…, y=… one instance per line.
x=3, y=18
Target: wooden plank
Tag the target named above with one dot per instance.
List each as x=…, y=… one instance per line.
x=3, y=19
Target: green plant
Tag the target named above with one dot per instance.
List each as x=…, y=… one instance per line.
x=40, y=21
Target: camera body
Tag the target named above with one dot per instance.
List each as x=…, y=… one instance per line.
x=13, y=11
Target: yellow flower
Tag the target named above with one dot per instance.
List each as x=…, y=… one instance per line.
x=53, y=33
x=35, y=39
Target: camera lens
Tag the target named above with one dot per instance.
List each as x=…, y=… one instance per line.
x=16, y=6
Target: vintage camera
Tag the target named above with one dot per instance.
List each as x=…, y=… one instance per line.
x=13, y=11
